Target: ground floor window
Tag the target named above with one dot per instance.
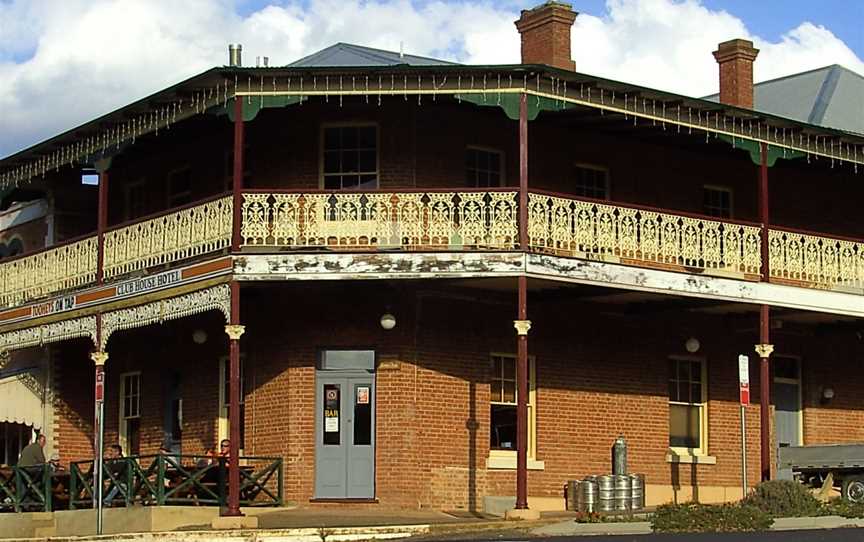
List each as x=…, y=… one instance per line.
x=688, y=400
x=13, y=438
x=503, y=397
x=224, y=399
x=130, y=413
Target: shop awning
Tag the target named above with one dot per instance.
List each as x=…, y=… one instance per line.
x=21, y=399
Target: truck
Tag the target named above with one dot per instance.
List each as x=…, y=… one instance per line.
x=827, y=466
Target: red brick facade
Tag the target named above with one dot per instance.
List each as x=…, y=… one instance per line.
x=433, y=385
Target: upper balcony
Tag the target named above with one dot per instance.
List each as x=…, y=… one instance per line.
x=477, y=220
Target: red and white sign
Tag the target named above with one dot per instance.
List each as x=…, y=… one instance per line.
x=100, y=383
x=744, y=379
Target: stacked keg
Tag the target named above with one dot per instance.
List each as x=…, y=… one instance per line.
x=607, y=493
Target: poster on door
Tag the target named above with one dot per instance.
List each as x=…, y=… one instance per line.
x=331, y=409
x=362, y=395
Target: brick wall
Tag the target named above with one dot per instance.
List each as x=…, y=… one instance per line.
x=433, y=384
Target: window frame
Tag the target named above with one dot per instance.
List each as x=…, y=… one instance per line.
x=127, y=199
x=170, y=196
x=223, y=429
x=532, y=408
x=502, y=177
x=321, y=151
x=702, y=450
x=719, y=188
x=595, y=167
x=123, y=429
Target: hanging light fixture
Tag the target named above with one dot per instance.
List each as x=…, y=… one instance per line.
x=388, y=321
x=692, y=345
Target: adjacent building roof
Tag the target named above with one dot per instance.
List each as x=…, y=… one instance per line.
x=832, y=96
x=343, y=55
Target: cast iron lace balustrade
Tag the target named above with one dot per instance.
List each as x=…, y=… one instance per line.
x=642, y=237
x=428, y=220
x=177, y=480
x=813, y=261
x=55, y=269
x=189, y=232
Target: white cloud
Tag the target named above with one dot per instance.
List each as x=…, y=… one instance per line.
x=63, y=62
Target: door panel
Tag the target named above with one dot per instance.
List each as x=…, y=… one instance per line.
x=345, y=436
x=787, y=424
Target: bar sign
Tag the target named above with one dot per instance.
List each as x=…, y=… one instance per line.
x=744, y=379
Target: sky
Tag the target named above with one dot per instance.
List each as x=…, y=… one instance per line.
x=64, y=62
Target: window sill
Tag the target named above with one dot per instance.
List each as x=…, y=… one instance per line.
x=689, y=458
x=508, y=462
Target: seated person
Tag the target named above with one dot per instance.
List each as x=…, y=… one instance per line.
x=54, y=463
x=115, y=464
x=33, y=454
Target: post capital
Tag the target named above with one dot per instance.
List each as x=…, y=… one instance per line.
x=99, y=357
x=235, y=331
x=764, y=350
x=522, y=326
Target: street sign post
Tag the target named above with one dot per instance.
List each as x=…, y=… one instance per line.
x=744, y=395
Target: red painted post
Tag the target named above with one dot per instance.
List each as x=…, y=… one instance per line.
x=764, y=392
x=234, y=331
x=237, y=186
x=764, y=325
x=523, y=171
x=522, y=398
x=101, y=225
x=522, y=325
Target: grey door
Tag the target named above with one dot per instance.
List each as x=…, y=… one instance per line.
x=787, y=407
x=345, y=436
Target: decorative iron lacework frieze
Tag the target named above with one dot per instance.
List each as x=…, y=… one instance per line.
x=48, y=333
x=172, y=308
x=816, y=261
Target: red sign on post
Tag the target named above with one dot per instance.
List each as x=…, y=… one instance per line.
x=100, y=383
x=744, y=379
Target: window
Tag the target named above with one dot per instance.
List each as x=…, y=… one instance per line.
x=13, y=438
x=502, y=419
x=483, y=167
x=136, y=204
x=224, y=399
x=687, y=406
x=590, y=181
x=130, y=413
x=350, y=157
x=89, y=177
x=179, y=187
x=717, y=201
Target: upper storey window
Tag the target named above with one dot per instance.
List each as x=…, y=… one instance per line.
x=350, y=158
x=483, y=167
x=717, y=201
x=590, y=181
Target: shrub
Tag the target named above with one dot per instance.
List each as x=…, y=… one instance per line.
x=588, y=517
x=783, y=498
x=844, y=508
x=704, y=518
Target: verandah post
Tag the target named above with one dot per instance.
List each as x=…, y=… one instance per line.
x=764, y=348
x=234, y=331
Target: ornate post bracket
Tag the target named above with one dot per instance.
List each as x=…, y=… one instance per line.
x=99, y=357
x=522, y=326
x=235, y=331
x=764, y=350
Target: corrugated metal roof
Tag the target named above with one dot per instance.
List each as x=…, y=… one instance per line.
x=832, y=96
x=342, y=55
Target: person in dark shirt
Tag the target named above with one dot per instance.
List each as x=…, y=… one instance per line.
x=114, y=463
x=33, y=454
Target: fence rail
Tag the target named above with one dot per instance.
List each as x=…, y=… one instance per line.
x=816, y=262
x=177, y=480
x=26, y=489
x=407, y=220
x=594, y=230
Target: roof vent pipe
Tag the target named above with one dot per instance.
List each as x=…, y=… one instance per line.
x=235, y=59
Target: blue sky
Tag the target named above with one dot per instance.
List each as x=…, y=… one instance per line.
x=769, y=19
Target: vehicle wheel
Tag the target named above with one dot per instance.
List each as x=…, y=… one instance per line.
x=853, y=489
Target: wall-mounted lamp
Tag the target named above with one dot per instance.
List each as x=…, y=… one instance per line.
x=692, y=345
x=388, y=321
x=199, y=336
x=827, y=394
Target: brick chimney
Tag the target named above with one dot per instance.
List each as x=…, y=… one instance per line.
x=735, y=58
x=545, y=32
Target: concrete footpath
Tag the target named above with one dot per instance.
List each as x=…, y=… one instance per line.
x=571, y=528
